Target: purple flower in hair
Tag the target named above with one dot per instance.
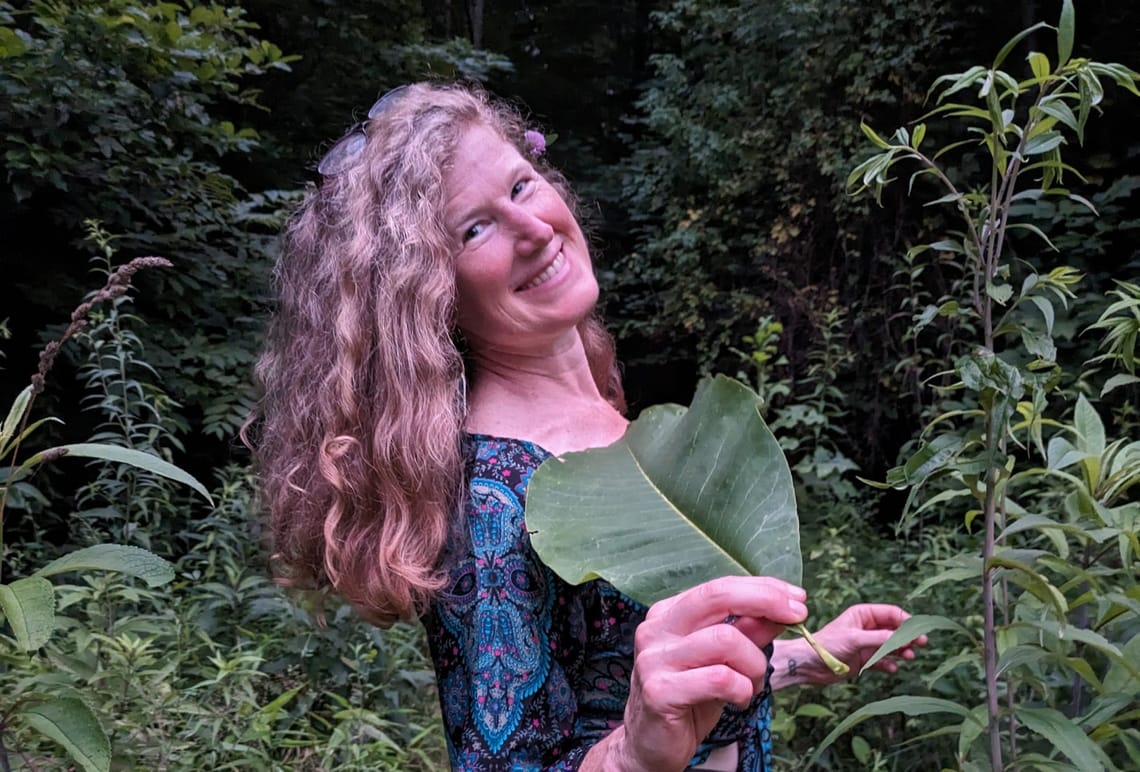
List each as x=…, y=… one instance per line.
x=535, y=142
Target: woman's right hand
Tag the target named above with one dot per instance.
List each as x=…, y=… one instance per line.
x=688, y=664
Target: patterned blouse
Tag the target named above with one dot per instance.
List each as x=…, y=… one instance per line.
x=532, y=671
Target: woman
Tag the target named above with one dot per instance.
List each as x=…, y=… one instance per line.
x=434, y=341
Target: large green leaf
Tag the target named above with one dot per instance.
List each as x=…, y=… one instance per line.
x=910, y=705
x=685, y=496
x=29, y=606
x=1065, y=735
x=71, y=723
x=123, y=558
x=136, y=458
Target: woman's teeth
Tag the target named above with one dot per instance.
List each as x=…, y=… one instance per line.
x=548, y=274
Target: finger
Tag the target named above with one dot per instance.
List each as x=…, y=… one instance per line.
x=714, y=645
x=671, y=692
x=760, y=632
x=743, y=596
x=880, y=616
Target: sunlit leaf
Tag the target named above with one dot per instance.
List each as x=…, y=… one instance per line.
x=1043, y=143
x=1118, y=380
x=15, y=415
x=1039, y=64
x=876, y=140
x=1059, y=109
x=1012, y=42
x=918, y=136
x=1001, y=293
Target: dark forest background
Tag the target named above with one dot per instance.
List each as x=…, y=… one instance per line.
x=710, y=141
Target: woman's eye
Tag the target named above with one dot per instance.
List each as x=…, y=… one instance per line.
x=518, y=188
x=472, y=232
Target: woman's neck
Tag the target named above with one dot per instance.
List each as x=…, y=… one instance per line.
x=549, y=398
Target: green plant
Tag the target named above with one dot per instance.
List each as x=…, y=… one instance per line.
x=1059, y=604
x=29, y=603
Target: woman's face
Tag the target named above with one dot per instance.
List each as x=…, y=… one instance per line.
x=523, y=273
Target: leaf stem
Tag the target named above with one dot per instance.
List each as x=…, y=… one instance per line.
x=833, y=664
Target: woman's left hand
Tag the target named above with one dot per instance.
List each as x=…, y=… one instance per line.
x=852, y=637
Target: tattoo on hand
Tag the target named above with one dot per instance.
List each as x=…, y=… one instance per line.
x=791, y=666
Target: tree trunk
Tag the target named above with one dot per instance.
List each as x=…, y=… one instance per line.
x=475, y=21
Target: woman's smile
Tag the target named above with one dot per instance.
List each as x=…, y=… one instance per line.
x=546, y=274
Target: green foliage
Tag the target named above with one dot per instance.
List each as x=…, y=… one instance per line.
x=730, y=189
x=29, y=604
x=204, y=662
x=120, y=111
x=1045, y=483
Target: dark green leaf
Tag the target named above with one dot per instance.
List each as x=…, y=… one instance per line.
x=917, y=625
x=1043, y=143
x=1065, y=736
x=121, y=558
x=29, y=605
x=147, y=461
x=71, y=723
x=707, y=493
x=1066, y=29
x=1004, y=52
x=910, y=705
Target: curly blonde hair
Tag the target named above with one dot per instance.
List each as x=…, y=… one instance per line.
x=359, y=430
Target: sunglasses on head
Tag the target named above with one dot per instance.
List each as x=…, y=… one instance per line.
x=344, y=153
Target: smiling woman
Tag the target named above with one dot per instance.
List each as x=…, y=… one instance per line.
x=434, y=341
x=522, y=273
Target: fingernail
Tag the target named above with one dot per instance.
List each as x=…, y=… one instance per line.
x=798, y=592
x=797, y=607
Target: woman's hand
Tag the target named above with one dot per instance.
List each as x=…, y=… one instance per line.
x=688, y=664
x=852, y=637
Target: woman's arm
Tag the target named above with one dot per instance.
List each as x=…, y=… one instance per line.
x=852, y=637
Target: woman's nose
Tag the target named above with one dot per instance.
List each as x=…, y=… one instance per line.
x=532, y=231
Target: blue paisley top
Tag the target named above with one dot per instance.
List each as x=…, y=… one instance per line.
x=533, y=671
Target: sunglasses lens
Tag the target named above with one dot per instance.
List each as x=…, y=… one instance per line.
x=342, y=153
x=386, y=101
